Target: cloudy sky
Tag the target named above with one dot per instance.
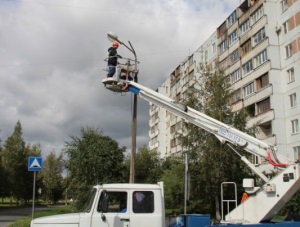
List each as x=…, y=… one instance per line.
x=51, y=61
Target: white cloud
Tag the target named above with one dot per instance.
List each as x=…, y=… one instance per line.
x=51, y=61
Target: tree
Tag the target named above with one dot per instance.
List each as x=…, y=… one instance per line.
x=93, y=159
x=3, y=175
x=211, y=162
x=51, y=177
x=173, y=178
x=147, y=166
x=16, y=154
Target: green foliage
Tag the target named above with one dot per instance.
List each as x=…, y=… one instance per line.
x=3, y=175
x=93, y=159
x=292, y=208
x=51, y=177
x=211, y=162
x=173, y=178
x=15, y=158
x=147, y=166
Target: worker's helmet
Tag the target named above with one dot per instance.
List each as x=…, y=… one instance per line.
x=115, y=44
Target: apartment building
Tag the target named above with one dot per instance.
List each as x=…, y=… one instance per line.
x=258, y=46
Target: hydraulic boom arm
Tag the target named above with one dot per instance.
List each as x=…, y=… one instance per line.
x=223, y=132
x=264, y=202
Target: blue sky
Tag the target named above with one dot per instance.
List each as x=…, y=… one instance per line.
x=51, y=61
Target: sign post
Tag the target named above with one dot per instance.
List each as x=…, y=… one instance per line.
x=34, y=164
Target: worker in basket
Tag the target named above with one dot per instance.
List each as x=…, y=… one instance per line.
x=112, y=59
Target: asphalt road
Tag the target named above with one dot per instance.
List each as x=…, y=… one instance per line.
x=9, y=215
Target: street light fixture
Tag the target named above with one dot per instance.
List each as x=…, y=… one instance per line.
x=113, y=37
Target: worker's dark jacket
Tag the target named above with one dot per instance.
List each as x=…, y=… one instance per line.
x=112, y=56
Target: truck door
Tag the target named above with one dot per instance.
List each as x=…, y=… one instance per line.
x=146, y=209
x=117, y=213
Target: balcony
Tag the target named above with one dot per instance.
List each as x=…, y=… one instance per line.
x=270, y=140
x=257, y=72
x=153, y=134
x=260, y=119
x=237, y=105
x=153, y=146
x=259, y=95
x=192, y=67
x=153, y=122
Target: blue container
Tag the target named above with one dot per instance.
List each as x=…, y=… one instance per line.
x=192, y=220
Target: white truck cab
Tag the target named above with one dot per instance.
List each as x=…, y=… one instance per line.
x=115, y=205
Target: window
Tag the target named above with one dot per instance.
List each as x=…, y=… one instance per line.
x=290, y=75
x=214, y=48
x=295, y=126
x=244, y=27
x=185, y=80
x=117, y=201
x=263, y=106
x=154, y=117
x=247, y=67
x=286, y=27
x=260, y=59
x=178, y=97
x=153, y=141
x=293, y=100
x=178, y=83
x=173, y=142
x=178, y=125
x=232, y=37
x=223, y=46
x=191, y=60
x=235, y=96
x=246, y=47
x=231, y=19
x=143, y=202
x=89, y=202
x=257, y=15
x=259, y=36
x=154, y=129
x=248, y=89
x=235, y=76
x=251, y=110
x=284, y=5
x=288, y=50
x=184, y=95
x=213, y=64
x=206, y=56
x=224, y=64
x=296, y=152
x=262, y=81
x=191, y=75
x=222, y=29
x=234, y=56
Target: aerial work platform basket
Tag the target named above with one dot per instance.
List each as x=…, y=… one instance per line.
x=115, y=85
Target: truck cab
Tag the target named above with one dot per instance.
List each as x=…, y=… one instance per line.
x=115, y=205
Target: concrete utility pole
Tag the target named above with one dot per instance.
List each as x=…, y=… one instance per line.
x=113, y=37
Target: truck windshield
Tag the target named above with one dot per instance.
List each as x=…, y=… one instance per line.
x=88, y=205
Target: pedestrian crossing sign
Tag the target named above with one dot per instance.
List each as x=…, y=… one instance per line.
x=35, y=163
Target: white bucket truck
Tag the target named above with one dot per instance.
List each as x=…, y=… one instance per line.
x=142, y=205
x=115, y=205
